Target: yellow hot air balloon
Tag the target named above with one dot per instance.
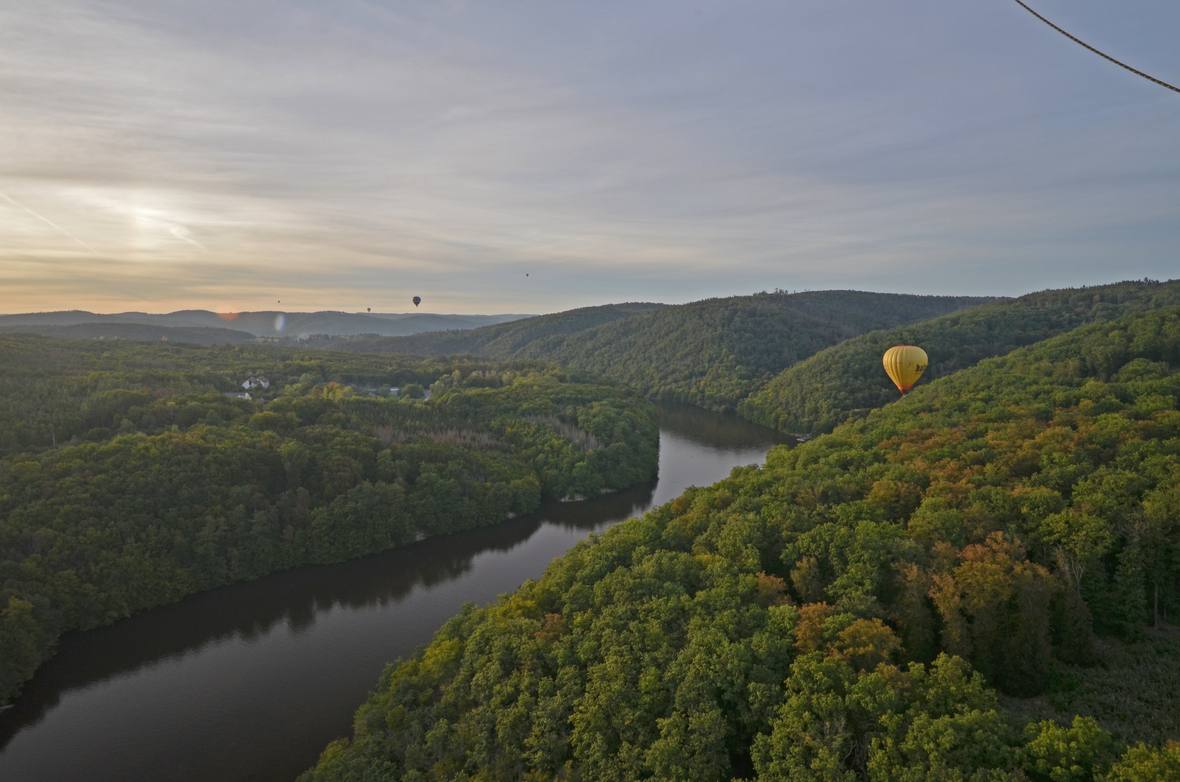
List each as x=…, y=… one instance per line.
x=904, y=364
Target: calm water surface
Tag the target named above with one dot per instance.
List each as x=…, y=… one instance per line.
x=250, y=682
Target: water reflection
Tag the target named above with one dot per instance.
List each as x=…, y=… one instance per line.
x=250, y=681
x=714, y=430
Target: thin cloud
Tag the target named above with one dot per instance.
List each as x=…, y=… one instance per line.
x=659, y=151
x=48, y=222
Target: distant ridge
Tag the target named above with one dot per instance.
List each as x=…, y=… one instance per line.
x=712, y=353
x=845, y=381
x=860, y=601
x=137, y=332
x=265, y=323
x=504, y=339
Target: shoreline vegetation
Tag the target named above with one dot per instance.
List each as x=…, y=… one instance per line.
x=918, y=594
x=711, y=353
x=938, y=575
x=845, y=381
x=165, y=481
x=800, y=363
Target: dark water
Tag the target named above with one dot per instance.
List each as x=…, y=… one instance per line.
x=251, y=681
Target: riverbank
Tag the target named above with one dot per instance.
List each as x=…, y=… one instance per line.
x=263, y=674
x=166, y=487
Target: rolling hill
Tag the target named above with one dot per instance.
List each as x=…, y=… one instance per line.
x=846, y=379
x=137, y=332
x=710, y=353
x=133, y=475
x=502, y=340
x=854, y=609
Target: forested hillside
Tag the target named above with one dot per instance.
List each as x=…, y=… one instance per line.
x=878, y=604
x=504, y=340
x=52, y=391
x=846, y=379
x=196, y=335
x=711, y=353
x=162, y=484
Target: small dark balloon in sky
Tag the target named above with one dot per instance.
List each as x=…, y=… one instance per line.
x=707, y=152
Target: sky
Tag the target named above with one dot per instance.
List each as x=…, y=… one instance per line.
x=525, y=156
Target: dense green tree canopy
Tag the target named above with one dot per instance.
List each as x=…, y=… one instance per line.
x=846, y=380
x=711, y=353
x=873, y=604
x=161, y=485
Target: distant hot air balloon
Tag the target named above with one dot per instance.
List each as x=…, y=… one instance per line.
x=905, y=364
x=417, y=300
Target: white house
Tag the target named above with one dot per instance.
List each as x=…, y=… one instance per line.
x=254, y=382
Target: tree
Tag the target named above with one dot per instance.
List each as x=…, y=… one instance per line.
x=995, y=610
x=913, y=614
x=924, y=723
x=1142, y=763
x=866, y=643
x=1079, y=753
x=1161, y=546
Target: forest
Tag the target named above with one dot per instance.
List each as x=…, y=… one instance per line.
x=710, y=353
x=975, y=582
x=845, y=380
x=133, y=475
x=799, y=363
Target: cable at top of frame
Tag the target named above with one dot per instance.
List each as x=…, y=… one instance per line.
x=1102, y=54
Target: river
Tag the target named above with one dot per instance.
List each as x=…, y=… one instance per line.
x=249, y=682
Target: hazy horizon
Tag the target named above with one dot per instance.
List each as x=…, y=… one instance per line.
x=279, y=309
x=158, y=156
x=440, y=313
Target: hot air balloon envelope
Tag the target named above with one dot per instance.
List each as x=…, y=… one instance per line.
x=417, y=300
x=905, y=364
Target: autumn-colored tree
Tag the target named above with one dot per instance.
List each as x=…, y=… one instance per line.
x=865, y=643
x=994, y=608
x=807, y=580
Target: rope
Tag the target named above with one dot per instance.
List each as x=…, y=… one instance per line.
x=1102, y=54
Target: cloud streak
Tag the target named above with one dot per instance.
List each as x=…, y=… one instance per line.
x=47, y=221
x=353, y=155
